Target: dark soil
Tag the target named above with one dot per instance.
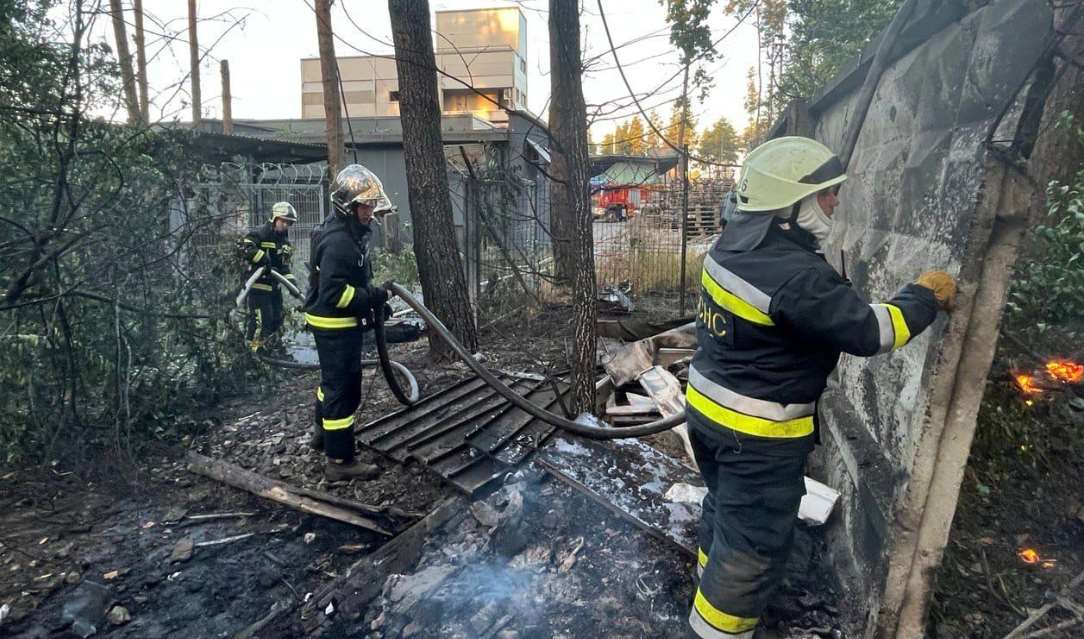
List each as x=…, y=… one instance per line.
x=1022, y=490
x=69, y=525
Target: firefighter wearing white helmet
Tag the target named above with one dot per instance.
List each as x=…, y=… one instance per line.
x=268, y=246
x=772, y=320
x=339, y=306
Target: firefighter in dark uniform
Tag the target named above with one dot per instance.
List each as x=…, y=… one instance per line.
x=340, y=301
x=772, y=320
x=268, y=246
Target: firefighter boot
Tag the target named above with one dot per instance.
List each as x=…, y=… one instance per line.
x=347, y=471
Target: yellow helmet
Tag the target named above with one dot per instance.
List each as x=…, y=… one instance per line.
x=782, y=171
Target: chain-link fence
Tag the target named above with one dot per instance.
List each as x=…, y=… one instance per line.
x=640, y=253
x=225, y=201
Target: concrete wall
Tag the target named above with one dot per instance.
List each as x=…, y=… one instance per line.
x=924, y=193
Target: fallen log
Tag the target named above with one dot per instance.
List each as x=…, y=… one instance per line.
x=303, y=499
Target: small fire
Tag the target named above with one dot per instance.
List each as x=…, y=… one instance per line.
x=1066, y=371
x=1031, y=557
x=1026, y=383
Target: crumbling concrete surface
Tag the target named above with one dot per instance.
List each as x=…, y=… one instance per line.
x=928, y=189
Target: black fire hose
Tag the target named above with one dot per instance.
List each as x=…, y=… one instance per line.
x=575, y=427
x=387, y=366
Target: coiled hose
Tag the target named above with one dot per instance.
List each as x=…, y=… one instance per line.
x=575, y=427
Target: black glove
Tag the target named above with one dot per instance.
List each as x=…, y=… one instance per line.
x=377, y=297
x=387, y=312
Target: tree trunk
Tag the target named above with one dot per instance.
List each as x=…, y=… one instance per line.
x=568, y=127
x=193, y=63
x=562, y=208
x=124, y=58
x=141, y=64
x=329, y=75
x=227, y=99
x=439, y=265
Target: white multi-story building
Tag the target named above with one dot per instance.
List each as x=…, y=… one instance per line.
x=479, y=51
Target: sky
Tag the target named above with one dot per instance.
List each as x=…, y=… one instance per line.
x=265, y=40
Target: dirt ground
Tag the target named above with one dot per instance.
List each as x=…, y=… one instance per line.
x=1022, y=492
x=79, y=539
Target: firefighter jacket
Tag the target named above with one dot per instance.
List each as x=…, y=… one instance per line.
x=340, y=275
x=265, y=247
x=771, y=324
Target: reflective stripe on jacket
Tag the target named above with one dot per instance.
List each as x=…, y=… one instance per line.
x=771, y=324
x=342, y=273
x=265, y=247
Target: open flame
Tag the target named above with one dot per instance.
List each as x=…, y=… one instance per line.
x=1031, y=557
x=1065, y=370
x=1026, y=383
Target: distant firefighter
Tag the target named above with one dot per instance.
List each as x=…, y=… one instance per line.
x=268, y=246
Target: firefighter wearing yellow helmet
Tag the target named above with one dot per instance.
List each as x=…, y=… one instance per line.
x=772, y=320
x=268, y=246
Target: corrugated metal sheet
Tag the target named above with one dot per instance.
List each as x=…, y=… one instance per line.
x=466, y=433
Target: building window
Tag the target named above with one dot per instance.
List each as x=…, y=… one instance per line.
x=523, y=65
x=393, y=96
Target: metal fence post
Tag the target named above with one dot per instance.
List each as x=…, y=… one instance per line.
x=684, y=221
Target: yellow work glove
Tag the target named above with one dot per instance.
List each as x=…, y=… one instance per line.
x=943, y=286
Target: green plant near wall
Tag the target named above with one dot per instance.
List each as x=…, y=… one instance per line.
x=1049, y=288
x=402, y=267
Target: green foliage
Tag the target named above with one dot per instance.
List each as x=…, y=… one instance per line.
x=109, y=317
x=690, y=33
x=1049, y=287
x=720, y=143
x=825, y=35
x=401, y=267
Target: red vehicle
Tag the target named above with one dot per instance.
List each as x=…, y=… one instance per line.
x=618, y=203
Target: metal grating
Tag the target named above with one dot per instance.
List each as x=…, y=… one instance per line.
x=466, y=433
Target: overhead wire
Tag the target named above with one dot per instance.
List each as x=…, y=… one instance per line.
x=632, y=93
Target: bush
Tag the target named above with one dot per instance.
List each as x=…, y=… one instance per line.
x=1049, y=286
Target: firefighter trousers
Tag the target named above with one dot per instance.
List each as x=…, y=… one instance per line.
x=339, y=394
x=745, y=533
x=264, y=315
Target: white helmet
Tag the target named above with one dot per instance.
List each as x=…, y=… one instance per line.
x=355, y=183
x=284, y=210
x=782, y=171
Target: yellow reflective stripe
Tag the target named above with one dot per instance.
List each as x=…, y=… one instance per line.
x=733, y=303
x=748, y=424
x=346, y=297
x=338, y=424
x=899, y=326
x=330, y=322
x=701, y=557
x=248, y=241
x=319, y=393
x=262, y=287
x=258, y=255
x=720, y=620
x=269, y=245
x=289, y=276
